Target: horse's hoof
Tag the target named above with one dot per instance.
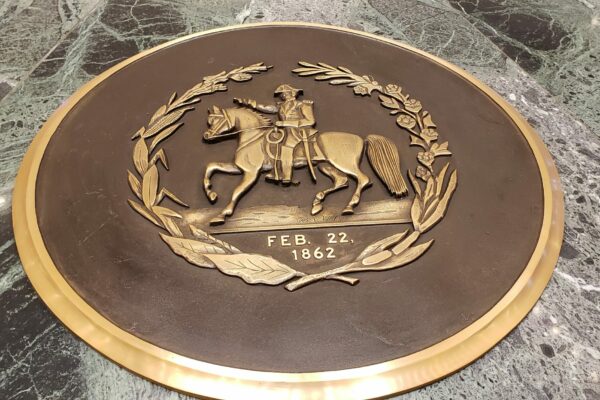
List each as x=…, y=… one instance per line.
x=212, y=196
x=348, y=211
x=217, y=221
x=317, y=208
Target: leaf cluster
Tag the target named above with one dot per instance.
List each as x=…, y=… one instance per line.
x=210, y=252
x=363, y=85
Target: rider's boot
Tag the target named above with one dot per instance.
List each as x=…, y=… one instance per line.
x=274, y=176
x=287, y=166
x=270, y=177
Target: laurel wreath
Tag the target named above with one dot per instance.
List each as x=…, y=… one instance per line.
x=428, y=207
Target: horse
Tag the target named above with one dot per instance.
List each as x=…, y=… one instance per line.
x=340, y=157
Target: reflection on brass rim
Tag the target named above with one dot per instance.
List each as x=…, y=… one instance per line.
x=201, y=378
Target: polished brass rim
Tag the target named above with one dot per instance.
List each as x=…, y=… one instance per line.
x=201, y=378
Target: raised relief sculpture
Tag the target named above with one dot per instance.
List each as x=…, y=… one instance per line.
x=277, y=148
x=291, y=142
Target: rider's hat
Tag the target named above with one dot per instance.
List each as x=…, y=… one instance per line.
x=287, y=88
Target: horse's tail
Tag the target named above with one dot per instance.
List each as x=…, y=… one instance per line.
x=384, y=158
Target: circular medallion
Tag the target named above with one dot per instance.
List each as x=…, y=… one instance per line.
x=288, y=210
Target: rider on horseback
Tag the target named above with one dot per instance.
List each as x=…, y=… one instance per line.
x=296, y=117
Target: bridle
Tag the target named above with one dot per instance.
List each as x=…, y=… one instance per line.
x=224, y=120
x=227, y=120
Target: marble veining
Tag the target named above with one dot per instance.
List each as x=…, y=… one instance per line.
x=552, y=354
x=557, y=42
x=29, y=30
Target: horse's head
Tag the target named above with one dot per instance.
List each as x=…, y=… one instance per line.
x=219, y=122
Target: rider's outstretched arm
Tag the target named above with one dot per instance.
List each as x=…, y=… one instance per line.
x=269, y=108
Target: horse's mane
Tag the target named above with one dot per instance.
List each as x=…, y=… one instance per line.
x=263, y=120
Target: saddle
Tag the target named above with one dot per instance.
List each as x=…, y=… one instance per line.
x=275, y=137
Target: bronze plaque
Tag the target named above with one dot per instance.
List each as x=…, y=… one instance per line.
x=288, y=210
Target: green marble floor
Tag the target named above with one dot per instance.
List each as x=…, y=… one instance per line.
x=556, y=41
x=542, y=56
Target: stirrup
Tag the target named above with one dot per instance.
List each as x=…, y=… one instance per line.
x=272, y=179
x=289, y=182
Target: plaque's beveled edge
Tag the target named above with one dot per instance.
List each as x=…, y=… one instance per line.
x=201, y=378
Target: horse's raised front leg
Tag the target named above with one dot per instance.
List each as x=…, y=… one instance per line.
x=248, y=179
x=340, y=181
x=211, y=168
